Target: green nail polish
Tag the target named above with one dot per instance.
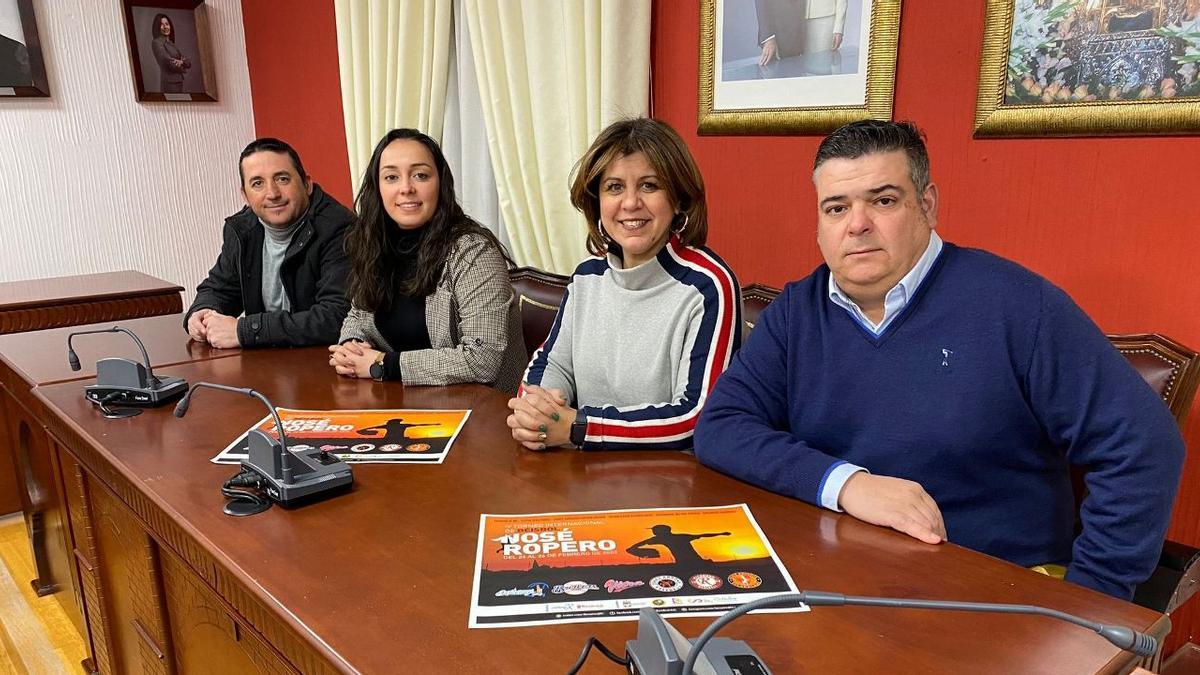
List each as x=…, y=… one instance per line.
x=542, y=428
x=554, y=416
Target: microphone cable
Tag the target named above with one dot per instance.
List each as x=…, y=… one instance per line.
x=112, y=413
x=246, y=486
x=587, y=648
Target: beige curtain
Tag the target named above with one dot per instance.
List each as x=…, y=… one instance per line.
x=394, y=58
x=552, y=74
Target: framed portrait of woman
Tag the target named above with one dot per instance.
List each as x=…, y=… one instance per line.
x=795, y=66
x=170, y=50
x=22, y=70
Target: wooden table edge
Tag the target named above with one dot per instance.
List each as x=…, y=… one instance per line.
x=50, y=303
x=107, y=470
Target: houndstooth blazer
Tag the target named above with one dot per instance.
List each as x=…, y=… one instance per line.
x=473, y=321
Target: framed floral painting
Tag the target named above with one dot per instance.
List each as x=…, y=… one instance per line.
x=1089, y=67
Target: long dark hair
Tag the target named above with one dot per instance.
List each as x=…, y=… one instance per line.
x=372, y=244
x=156, y=33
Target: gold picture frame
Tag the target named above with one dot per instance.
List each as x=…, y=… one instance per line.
x=1119, y=82
x=766, y=104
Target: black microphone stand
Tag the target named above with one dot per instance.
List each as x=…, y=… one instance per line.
x=120, y=380
x=289, y=478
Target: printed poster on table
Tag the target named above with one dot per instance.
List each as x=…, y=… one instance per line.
x=361, y=436
x=553, y=568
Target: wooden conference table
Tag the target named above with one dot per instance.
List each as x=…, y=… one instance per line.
x=379, y=580
x=36, y=358
x=70, y=301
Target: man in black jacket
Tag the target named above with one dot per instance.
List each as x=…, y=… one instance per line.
x=282, y=264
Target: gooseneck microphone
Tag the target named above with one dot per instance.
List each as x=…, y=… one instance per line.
x=181, y=408
x=73, y=358
x=1120, y=636
x=125, y=381
x=286, y=477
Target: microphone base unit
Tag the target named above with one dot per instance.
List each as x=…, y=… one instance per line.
x=315, y=474
x=168, y=388
x=311, y=487
x=660, y=649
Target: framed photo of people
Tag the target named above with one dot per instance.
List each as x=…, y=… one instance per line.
x=170, y=50
x=795, y=66
x=22, y=69
x=1089, y=68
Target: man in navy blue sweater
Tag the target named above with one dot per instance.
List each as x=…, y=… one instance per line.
x=943, y=391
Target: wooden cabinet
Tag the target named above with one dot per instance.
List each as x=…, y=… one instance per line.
x=41, y=501
x=127, y=568
x=205, y=634
x=148, y=612
x=72, y=301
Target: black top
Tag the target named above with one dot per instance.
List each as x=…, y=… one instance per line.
x=403, y=323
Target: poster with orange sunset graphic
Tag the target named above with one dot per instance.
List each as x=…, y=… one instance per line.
x=550, y=568
x=361, y=436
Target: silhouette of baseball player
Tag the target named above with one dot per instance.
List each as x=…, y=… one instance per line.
x=678, y=543
x=395, y=430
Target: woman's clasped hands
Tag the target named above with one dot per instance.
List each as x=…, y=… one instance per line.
x=541, y=418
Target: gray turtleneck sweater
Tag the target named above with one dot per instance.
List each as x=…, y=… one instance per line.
x=275, y=246
x=638, y=350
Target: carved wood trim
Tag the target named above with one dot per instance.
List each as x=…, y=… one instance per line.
x=93, y=311
x=66, y=527
x=93, y=593
x=148, y=607
x=178, y=579
x=148, y=641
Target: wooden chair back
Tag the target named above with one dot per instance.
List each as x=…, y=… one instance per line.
x=538, y=296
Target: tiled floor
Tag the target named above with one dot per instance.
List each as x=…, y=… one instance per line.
x=36, y=636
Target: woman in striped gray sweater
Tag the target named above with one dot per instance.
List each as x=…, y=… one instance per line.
x=650, y=321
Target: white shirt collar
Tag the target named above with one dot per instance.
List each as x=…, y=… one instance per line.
x=899, y=295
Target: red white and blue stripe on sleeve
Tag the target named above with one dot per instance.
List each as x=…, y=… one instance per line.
x=541, y=356
x=670, y=425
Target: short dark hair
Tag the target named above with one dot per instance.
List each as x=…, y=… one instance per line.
x=867, y=137
x=268, y=144
x=666, y=152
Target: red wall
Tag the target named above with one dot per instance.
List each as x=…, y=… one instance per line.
x=291, y=49
x=1110, y=220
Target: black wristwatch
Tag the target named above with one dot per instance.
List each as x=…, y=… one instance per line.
x=578, y=431
x=377, y=368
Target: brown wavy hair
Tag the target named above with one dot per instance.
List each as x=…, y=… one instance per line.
x=671, y=160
